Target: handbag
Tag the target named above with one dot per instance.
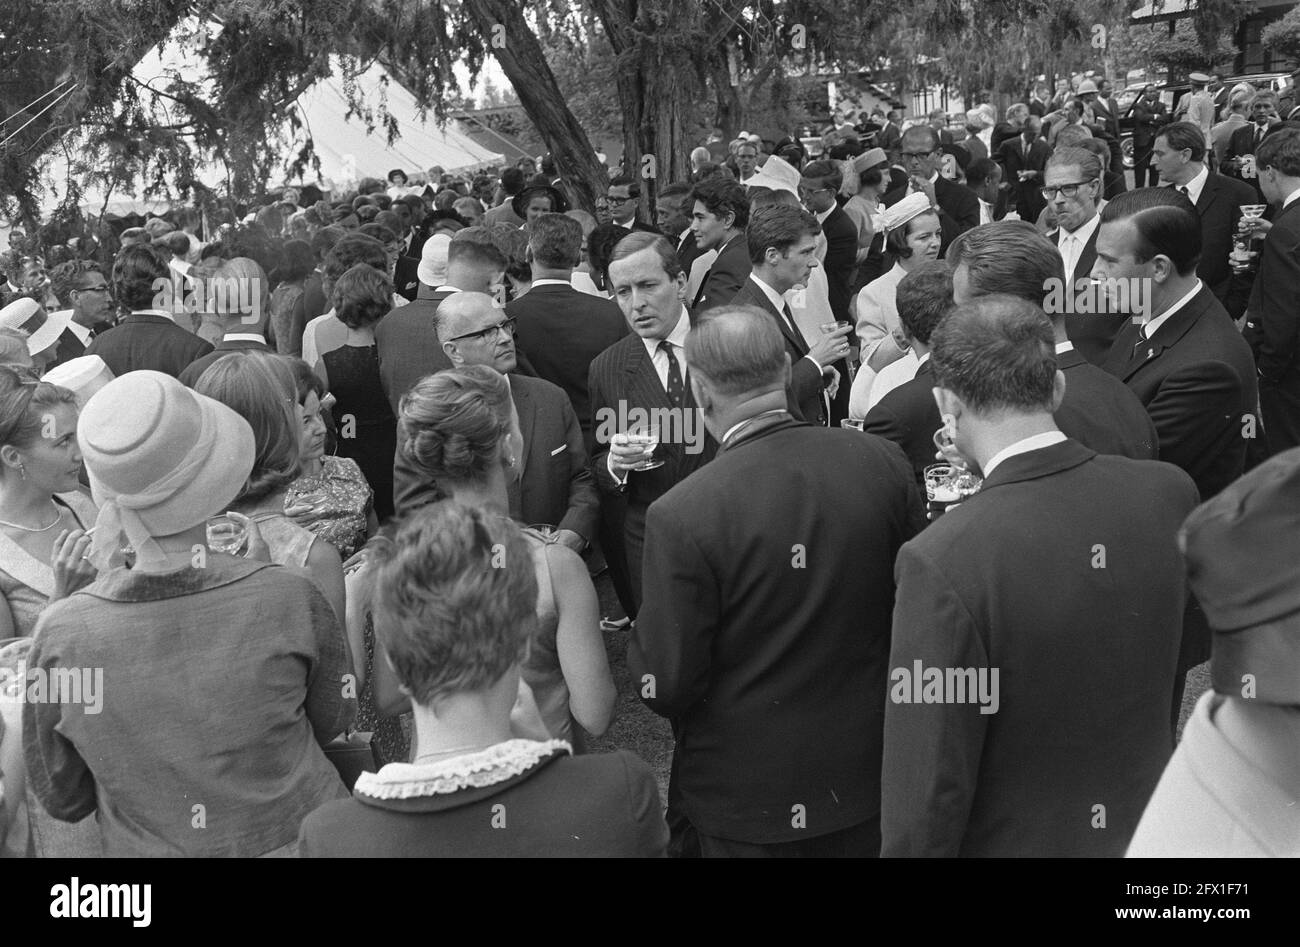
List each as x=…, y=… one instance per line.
x=352, y=754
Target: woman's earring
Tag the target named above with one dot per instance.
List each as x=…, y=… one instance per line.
x=22, y=470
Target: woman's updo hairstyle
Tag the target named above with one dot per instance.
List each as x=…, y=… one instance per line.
x=23, y=405
x=453, y=422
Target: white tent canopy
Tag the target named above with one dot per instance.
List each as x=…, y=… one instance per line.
x=346, y=149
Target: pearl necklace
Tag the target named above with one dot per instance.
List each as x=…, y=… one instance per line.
x=58, y=515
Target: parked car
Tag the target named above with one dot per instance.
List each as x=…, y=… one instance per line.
x=1172, y=92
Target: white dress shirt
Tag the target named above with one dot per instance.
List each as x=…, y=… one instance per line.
x=81, y=332
x=1291, y=198
x=1063, y=347
x=1071, y=244
x=1196, y=185
x=1037, y=442
x=986, y=211
x=778, y=301
x=548, y=281
x=660, y=361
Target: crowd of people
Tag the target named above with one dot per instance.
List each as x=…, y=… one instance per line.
x=301, y=514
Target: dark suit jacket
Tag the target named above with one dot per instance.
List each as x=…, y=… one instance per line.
x=406, y=279
x=407, y=339
x=624, y=376
x=890, y=138
x=959, y=208
x=144, y=341
x=1220, y=208
x=313, y=299
x=688, y=251
x=1108, y=117
x=70, y=347
x=1271, y=329
x=1029, y=196
x=560, y=330
x=1085, y=659
x=196, y=368
x=804, y=393
x=1240, y=144
x=555, y=485
x=909, y=416
x=1147, y=120
x=1101, y=413
x=774, y=674
x=1091, y=332
x=1196, y=378
x=601, y=805
x=726, y=275
x=841, y=261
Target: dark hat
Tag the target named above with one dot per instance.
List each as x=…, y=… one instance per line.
x=1242, y=551
x=962, y=155
x=519, y=203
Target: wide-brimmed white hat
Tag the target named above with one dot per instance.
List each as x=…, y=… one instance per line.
x=777, y=174
x=160, y=458
x=29, y=317
x=432, y=270
x=83, y=376
x=896, y=215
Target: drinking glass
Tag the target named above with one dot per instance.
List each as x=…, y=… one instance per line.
x=226, y=534
x=851, y=425
x=647, y=438
x=939, y=487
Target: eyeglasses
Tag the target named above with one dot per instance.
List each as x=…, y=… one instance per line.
x=807, y=192
x=489, y=332
x=1067, y=190
x=101, y=288
x=917, y=154
x=615, y=199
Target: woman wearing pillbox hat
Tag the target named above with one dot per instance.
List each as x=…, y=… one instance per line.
x=42, y=329
x=235, y=665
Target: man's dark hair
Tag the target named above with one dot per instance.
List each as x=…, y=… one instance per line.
x=1281, y=152
x=547, y=166
x=1166, y=223
x=600, y=247
x=826, y=171
x=924, y=298
x=675, y=191
x=296, y=262
x=640, y=240
x=323, y=240
x=1182, y=135
x=555, y=241
x=379, y=232
x=979, y=171
x=722, y=196
x=66, y=277
x=626, y=180
x=1008, y=257
x=996, y=353
x=779, y=226
x=135, y=272
x=512, y=181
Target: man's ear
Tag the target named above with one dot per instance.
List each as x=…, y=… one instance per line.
x=949, y=404
x=1058, y=390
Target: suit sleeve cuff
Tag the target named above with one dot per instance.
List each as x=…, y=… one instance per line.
x=609, y=465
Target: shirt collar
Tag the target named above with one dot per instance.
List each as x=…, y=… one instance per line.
x=775, y=298
x=821, y=217
x=1085, y=231
x=77, y=329
x=447, y=287
x=677, y=337
x=1037, y=442
x=153, y=312
x=1153, y=325
x=244, y=337
x=547, y=281
x=1197, y=184
x=923, y=359
x=1291, y=198
x=1063, y=347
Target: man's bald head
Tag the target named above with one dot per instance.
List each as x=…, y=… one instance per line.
x=737, y=352
x=458, y=312
x=473, y=330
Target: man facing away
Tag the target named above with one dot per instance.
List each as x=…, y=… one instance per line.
x=1027, y=710
x=765, y=626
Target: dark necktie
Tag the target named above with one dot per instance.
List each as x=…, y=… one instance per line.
x=1182, y=189
x=676, y=388
x=789, y=317
x=1259, y=135
x=1141, y=342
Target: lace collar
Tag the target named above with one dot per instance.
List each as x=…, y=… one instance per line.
x=496, y=764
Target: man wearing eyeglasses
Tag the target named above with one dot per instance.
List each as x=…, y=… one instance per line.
x=957, y=205
x=81, y=287
x=554, y=484
x=624, y=199
x=1072, y=189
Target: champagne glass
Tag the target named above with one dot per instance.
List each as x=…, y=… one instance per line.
x=226, y=534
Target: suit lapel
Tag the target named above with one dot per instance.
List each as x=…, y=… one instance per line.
x=756, y=292
x=1166, y=337
x=526, y=408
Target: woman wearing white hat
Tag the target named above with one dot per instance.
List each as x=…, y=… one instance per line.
x=221, y=676
x=41, y=328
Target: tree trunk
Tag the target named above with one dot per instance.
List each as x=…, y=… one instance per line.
x=516, y=48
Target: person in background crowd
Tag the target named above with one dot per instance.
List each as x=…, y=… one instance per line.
x=1055, y=719
x=259, y=386
x=438, y=601
x=147, y=339
x=1149, y=114
x=82, y=289
x=718, y=221
x=162, y=460
x=957, y=207
x=288, y=315
x=1024, y=160
x=327, y=332
x=1230, y=789
x=1236, y=118
x=43, y=331
x=242, y=305
x=1271, y=321
x=984, y=177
